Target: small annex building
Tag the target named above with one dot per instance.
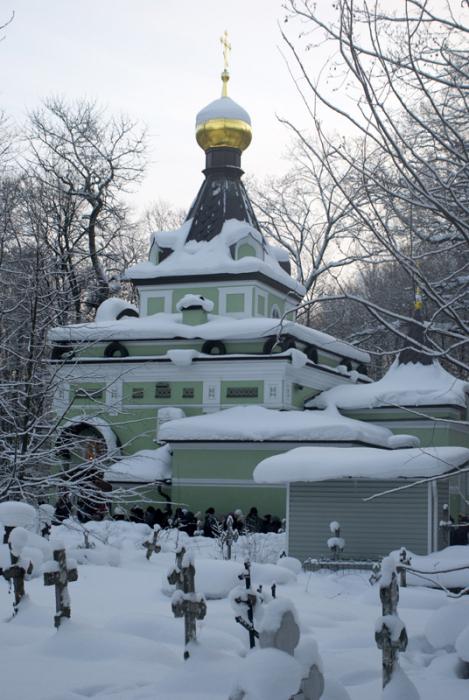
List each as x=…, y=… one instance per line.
x=326, y=484
x=215, y=454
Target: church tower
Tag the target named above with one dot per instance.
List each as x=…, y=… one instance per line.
x=220, y=252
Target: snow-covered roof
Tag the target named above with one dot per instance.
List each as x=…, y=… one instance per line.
x=209, y=257
x=223, y=108
x=324, y=463
x=217, y=327
x=255, y=423
x=143, y=466
x=110, y=309
x=411, y=384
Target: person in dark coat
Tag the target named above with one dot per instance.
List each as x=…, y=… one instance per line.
x=210, y=523
x=253, y=521
x=150, y=516
x=137, y=515
x=63, y=509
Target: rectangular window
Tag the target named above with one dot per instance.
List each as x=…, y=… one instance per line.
x=137, y=392
x=163, y=390
x=188, y=392
x=93, y=394
x=242, y=392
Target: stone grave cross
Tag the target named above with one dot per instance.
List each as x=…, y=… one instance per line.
x=60, y=577
x=390, y=635
x=175, y=576
x=250, y=601
x=15, y=574
x=186, y=603
x=151, y=545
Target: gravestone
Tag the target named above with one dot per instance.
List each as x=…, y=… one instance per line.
x=60, y=575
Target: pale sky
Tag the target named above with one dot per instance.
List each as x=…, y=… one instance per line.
x=159, y=62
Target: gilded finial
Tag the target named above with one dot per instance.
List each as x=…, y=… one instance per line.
x=418, y=302
x=225, y=76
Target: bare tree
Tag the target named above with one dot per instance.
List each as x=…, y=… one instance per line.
x=403, y=144
x=87, y=161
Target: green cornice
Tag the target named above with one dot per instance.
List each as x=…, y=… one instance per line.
x=224, y=277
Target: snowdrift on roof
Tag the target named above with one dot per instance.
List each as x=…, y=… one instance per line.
x=163, y=326
x=255, y=423
x=412, y=384
x=143, y=466
x=207, y=257
x=324, y=463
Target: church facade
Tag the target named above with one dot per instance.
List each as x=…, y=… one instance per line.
x=211, y=374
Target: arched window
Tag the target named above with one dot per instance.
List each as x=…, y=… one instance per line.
x=275, y=311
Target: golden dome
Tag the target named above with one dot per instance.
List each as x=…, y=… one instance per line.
x=223, y=123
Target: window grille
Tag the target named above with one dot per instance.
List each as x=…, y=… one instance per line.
x=137, y=392
x=188, y=392
x=242, y=392
x=163, y=390
x=94, y=394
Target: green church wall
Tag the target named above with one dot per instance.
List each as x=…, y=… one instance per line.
x=224, y=463
x=226, y=499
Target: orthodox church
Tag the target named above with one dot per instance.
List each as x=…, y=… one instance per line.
x=212, y=375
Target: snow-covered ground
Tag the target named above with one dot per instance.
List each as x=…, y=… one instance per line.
x=123, y=642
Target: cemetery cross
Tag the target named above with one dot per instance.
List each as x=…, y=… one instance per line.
x=187, y=604
x=151, y=545
x=16, y=573
x=391, y=634
x=250, y=601
x=60, y=578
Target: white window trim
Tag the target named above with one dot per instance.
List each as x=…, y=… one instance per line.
x=146, y=295
x=247, y=294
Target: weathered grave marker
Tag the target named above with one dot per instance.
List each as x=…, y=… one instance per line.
x=404, y=561
x=250, y=601
x=151, y=545
x=60, y=575
x=185, y=602
x=390, y=635
x=15, y=575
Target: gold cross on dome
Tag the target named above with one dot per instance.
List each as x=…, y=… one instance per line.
x=226, y=49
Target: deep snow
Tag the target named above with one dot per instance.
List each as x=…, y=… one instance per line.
x=123, y=642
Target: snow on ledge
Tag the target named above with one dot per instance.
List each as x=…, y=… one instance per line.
x=412, y=384
x=143, y=466
x=164, y=325
x=325, y=463
x=259, y=424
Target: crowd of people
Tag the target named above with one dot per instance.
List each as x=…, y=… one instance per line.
x=208, y=525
